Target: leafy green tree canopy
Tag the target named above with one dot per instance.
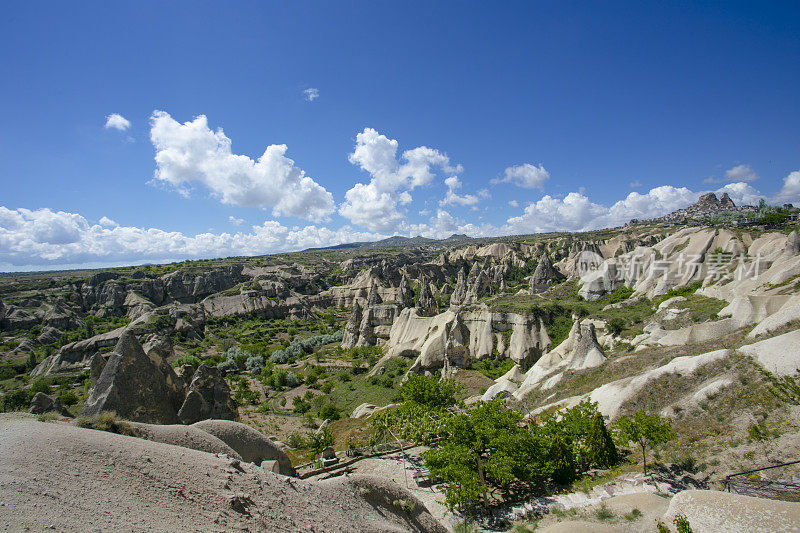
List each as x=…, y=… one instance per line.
x=645, y=430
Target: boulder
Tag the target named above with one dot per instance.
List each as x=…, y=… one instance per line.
x=131, y=386
x=793, y=243
x=208, y=397
x=158, y=349
x=49, y=335
x=364, y=410
x=252, y=446
x=41, y=403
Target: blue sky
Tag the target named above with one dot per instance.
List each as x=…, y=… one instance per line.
x=535, y=116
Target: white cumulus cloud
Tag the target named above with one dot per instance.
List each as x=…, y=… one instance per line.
x=741, y=173
x=576, y=212
x=311, y=94
x=117, y=121
x=235, y=221
x=374, y=205
x=42, y=238
x=191, y=153
x=453, y=198
x=527, y=176
x=741, y=193
x=790, y=191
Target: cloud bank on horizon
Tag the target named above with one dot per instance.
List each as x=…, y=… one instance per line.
x=191, y=156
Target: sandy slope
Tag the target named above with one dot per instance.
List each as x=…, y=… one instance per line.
x=55, y=474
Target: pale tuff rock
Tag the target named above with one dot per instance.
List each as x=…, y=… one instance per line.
x=374, y=298
x=366, y=334
x=480, y=286
x=426, y=305
x=427, y=337
x=208, y=397
x=779, y=354
x=406, y=294
x=580, y=350
x=611, y=396
x=351, y=329
x=473, y=274
x=545, y=275
x=251, y=445
x=460, y=291
x=793, y=243
x=723, y=512
x=456, y=347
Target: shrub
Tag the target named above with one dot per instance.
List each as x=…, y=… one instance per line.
x=190, y=360
x=682, y=523
x=615, y=325
x=15, y=400
x=329, y=412
x=244, y=394
x=300, y=405
x=297, y=440
x=633, y=516
x=68, y=398
x=293, y=380
x=599, y=446
x=40, y=385
x=254, y=364
x=603, y=513
x=107, y=421
x=228, y=365
x=561, y=462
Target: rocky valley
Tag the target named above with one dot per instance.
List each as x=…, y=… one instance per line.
x=235, y=393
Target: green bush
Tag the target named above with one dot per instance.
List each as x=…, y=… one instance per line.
x=15, y=400
x=599, y=446
x=615, y=325
x=190, y=360
x=329, y=412
x=68, y=398
x=561, y=462
x=40, y=385
x=300, y=405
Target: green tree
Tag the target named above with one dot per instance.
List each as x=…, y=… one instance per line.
x=645, y=430
x=561, y=461
x=429, y=391
x=485, y=448
x=89, y=326
x=320, y=440
x=599, y=446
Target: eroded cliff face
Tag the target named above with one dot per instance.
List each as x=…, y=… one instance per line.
x=456, y=337
x=726, y=263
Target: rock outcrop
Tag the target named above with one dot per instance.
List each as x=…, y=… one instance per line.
x=131, y=386
x=460, y=291
x=478, y=334
x=208, y=396
x=41, y=403
x=251, y=445
x=427, y=304
x=352, y=328
x=545, y=275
